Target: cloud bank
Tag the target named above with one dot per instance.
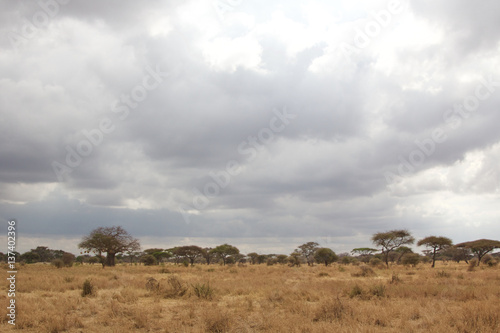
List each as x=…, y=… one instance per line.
x=257, y=124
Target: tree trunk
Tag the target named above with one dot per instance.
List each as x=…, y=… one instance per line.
x=101, y=259
x=480, y=257
x=434, y=258
x=110, y=259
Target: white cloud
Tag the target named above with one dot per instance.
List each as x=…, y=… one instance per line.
x=227, y=54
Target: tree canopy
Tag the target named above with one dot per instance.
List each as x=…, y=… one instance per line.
x=325, y=255
x=224, y=251
x=308, y=250
x=480, y=247
x=363, y=251
x=109, y=240
x=391, y=240
x=190, y=252
x=437, y=244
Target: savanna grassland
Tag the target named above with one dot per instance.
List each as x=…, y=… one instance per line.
x=256, y=298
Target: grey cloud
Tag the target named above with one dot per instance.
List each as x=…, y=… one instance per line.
x=321, y=176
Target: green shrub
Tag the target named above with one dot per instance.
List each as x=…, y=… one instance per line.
x=375, y=262
x=149, y=260
x=271, y=261
x=411, y=259
x=68, y=259
x=346, y=260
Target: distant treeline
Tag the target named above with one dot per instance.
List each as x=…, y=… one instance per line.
x=390, y=247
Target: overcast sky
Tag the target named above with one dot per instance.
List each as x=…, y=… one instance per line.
x=263, y=124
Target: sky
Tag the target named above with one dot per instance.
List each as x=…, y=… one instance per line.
x=262, y=124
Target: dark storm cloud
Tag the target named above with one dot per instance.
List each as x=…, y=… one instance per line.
x=225, y=78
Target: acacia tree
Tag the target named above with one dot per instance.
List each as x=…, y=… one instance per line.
x=224, y=251
x=480, y=247
x=261, y=258
x=109, y=240
x=295, y=258
x=457, y=254
x=281, y=258
x=175, y=254
x=402, y=251
x=325, y=255
x=30, y=257
x=207, y=255
x=390, y=240
x=437, y=244
x=159, y=254
x=308, y=250
x=191, y=252
x=253, y=257
x=364, y=253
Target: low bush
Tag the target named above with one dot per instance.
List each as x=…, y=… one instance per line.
x=375, y=262
x=149, y=260
x=356, y=291
x=58, y=263
x=364, y=271
x=489, y=260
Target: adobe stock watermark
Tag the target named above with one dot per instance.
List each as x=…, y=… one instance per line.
x=75, y=154
x=453, y=118
x=249, y=148
x=222, y=7
x=372, y=28
x=11, y=270
x=39, y=20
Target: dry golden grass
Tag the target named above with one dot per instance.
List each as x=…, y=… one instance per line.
x=258, y=298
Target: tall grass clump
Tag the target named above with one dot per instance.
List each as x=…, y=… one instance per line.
x=58, y=263
x=202, y=290
x=88, y=288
